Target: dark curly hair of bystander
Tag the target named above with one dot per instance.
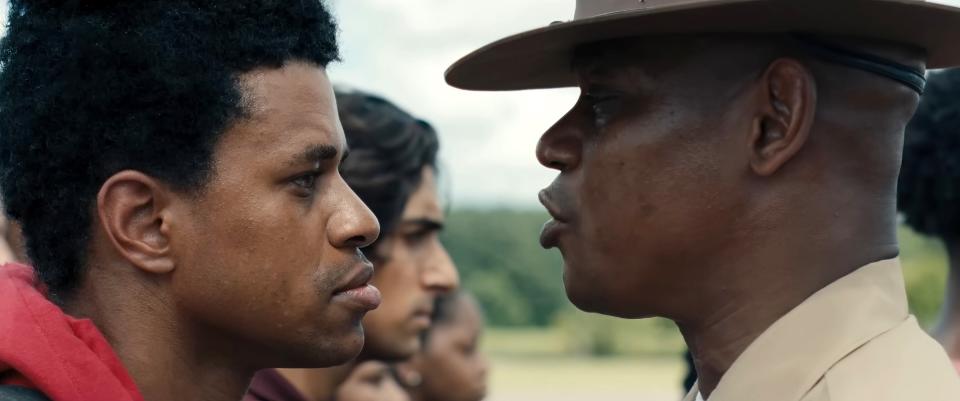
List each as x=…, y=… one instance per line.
x=929, y=189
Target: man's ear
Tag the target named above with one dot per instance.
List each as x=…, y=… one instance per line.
x=133, y=211
x=787, y=105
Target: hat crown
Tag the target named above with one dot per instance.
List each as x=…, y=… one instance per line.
x=594, y=8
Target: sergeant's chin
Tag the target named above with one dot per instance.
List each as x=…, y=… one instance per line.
x=588, y=296
x=582, y=293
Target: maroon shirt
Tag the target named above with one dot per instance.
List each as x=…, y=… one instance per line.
x=269, y=385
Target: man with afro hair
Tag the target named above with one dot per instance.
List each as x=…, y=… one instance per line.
x=174, y=165
x=929, y=190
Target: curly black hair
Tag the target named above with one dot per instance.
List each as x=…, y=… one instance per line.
x=929, y=190
x=92, y=87
x=388, y=150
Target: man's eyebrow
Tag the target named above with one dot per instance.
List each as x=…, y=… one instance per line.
x=315, y=154
x=425, y=223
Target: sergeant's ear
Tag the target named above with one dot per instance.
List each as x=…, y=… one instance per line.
x=786, y=106
x=132, y=207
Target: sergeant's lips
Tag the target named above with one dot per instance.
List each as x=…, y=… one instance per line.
x=553, y=228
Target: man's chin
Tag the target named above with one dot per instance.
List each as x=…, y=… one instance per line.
x=588, y=297
x=397, y=351
x=584, y=302
x=323, y=354
x=582, y=293
x=592, y=301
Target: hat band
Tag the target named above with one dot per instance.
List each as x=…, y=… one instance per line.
x=906, y=75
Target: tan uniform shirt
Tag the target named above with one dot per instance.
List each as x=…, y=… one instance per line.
x=854, y=340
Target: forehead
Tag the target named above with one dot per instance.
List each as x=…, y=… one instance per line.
x=464, y=311
x=424, y=203
x=286, y=110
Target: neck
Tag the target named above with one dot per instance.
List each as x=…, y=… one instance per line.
x=772, y=274
x=160, y=352
x=947, y=331
x=318, y=384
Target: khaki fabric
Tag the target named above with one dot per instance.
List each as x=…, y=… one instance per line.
x=540, y=58
x=853, y=340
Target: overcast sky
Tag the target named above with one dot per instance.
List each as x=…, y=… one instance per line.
x=400, y=49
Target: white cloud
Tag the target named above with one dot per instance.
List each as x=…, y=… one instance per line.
x=400, y=49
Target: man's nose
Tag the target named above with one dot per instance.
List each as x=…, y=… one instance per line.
x=354, y=225
x=441, y=274
x=559, y=148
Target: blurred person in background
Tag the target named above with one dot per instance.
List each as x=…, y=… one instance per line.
x=174, y=167
x=393, y=168
x=729, y=170
x=929, y=190
x=371, y=381
x=451, y=366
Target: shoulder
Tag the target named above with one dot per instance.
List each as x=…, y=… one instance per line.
x=903, y=363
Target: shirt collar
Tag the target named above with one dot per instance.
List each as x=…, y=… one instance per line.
x=791, y=356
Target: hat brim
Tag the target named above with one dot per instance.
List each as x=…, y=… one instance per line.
x=541, y=58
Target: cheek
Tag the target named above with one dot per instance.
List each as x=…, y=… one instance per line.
x=449, y=361
x=398, y=283
x=265, y=244
x=647, y=200
x=445, y=367
x=395, y=283
x=664, y=182
x=250, y=257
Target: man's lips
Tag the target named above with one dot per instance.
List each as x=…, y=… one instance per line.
x=358, y=291
x=549, y=201
x=550, y=234
x=421, y=321
x=422, y=317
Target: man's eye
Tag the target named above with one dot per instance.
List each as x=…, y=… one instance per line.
x=306, y=182
x=604, y=105
x=468, y=348
x=604, y=108
x=418, y=236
